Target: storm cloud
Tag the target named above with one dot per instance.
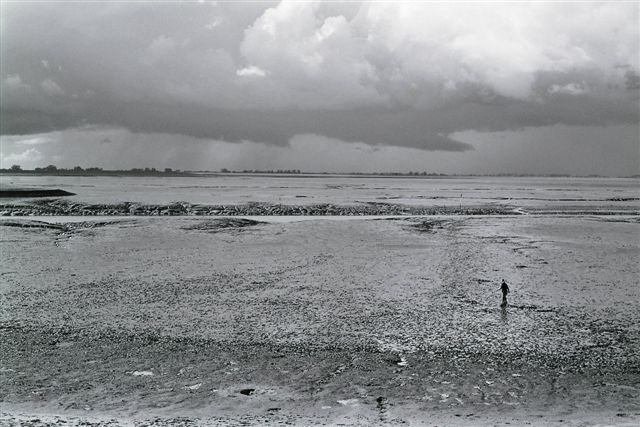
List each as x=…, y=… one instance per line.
x=395, y=74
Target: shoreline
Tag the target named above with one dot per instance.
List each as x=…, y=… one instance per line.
x=266, y=174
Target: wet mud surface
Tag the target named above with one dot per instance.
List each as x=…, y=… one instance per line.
x=61, y=207
x=179, y=321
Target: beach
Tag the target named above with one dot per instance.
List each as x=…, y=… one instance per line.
x=328, y=321
x=167, y=313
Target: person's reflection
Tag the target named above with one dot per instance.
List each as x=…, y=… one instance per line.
x=503, y=313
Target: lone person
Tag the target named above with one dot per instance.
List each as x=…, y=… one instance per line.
x=505, y=290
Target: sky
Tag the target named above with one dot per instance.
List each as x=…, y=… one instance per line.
x=445, y=87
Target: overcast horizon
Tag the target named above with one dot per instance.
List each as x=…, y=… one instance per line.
x=455, y=88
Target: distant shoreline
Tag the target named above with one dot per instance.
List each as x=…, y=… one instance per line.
x=196, y=174
x=33, y=192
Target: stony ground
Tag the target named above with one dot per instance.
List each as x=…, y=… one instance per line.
x=189, y=321
x=62, y=207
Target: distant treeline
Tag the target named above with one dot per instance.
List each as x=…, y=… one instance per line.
x=78, y=170
x=280, y=171
x=95, y=171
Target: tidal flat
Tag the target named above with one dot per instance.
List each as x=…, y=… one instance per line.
x=357, y=321
x=329, y=320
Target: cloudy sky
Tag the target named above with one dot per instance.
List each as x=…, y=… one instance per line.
x=477, y=87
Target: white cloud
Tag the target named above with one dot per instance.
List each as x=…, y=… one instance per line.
x=251, y=71
x=14, y=82
x=411, y=52
x=25, y=158
x=302, y=49
x=35, y=140
x=215, y=22
x=51, y=88
x=572, y=88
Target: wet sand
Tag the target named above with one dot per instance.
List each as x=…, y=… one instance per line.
x=355, y=322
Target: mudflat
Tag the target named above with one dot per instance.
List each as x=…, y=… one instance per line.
x=32, y=192
x=229, y=321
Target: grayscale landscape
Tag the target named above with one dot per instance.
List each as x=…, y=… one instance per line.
x=307, y=213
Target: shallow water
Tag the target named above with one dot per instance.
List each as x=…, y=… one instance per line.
x=449, y=191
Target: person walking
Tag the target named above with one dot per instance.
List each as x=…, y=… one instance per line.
x=505, y=290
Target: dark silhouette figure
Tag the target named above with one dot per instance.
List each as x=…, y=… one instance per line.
x=505, y=290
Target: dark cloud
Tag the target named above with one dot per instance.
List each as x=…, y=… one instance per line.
x=406, y=127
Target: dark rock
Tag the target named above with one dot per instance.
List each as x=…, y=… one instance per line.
x=248, y=391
